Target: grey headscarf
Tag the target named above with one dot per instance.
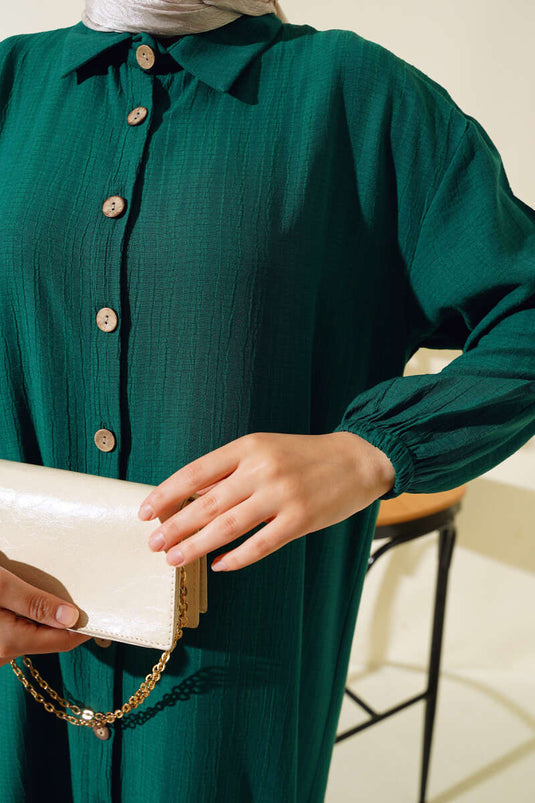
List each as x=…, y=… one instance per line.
x=170, y=17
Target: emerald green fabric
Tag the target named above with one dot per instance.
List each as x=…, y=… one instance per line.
x=304, y=210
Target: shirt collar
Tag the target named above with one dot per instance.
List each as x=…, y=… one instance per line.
x=216, y=57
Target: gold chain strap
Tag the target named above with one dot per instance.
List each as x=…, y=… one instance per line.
x=96, y=719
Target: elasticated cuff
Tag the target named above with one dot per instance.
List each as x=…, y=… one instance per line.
x=398, y=454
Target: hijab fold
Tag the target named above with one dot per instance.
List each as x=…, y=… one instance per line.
x=169, y=17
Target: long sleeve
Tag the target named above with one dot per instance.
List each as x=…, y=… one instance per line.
x=467, y=245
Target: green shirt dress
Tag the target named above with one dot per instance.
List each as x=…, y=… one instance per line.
x=302, y=210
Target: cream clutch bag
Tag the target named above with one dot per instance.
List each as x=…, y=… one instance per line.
x=78, y=536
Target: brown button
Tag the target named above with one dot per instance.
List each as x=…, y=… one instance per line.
x=137, y=115
x=145, y=57
x=102, y=642
x=113, y=206
x=107, y=319
x=105, y=440
x=101, y=732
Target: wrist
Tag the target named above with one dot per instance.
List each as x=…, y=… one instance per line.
x=386, y=476
x=375, y=463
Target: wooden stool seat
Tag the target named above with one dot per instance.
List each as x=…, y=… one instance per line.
x=408, y=507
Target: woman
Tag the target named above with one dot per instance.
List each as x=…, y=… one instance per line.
x=223, y=236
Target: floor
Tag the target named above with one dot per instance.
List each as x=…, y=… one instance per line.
x=483, y=745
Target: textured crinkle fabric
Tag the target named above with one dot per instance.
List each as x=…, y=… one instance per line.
x=303, y=210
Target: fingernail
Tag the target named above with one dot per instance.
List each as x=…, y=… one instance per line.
x=67, y=615
x=219, y=566
x=146, y=512
x=156, y=541
x=176, y=558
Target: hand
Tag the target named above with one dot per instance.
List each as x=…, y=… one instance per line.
x=21, y=636
x=297, y=484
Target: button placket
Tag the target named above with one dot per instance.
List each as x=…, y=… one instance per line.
x=115, y=207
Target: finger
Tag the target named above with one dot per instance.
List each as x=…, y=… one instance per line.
x=274, y=535
x=234, y=522
x=201, y=512
x=19, y=636
x=205, y=470
x=201, y=491
x=20, y=597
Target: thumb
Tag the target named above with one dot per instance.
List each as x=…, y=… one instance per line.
x=26, y=600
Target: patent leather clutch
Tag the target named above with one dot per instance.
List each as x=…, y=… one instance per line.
x=78, y=536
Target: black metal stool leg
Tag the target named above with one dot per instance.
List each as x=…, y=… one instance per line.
x=446, y=545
